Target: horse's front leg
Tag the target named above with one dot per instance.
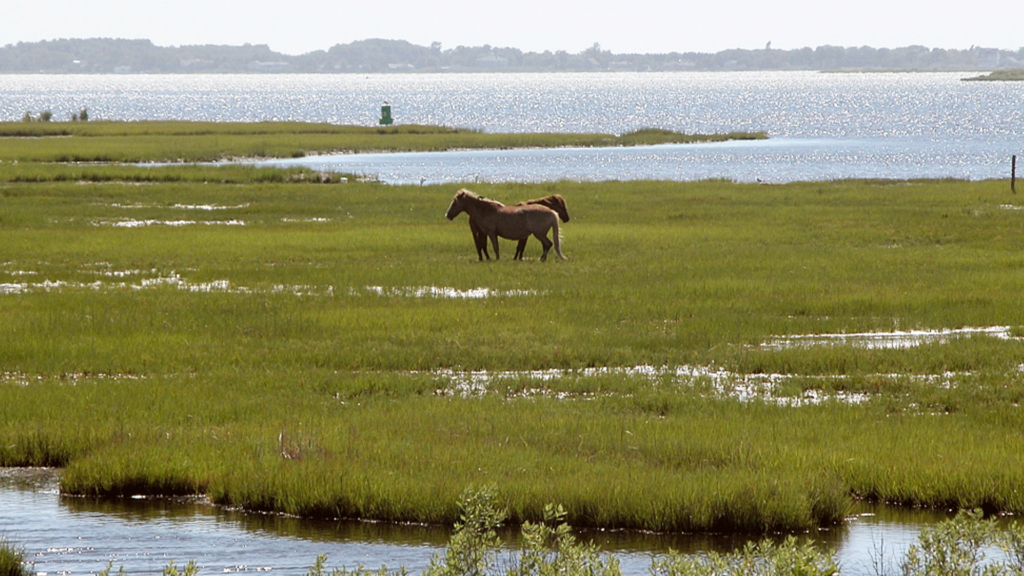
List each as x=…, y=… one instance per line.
x=520, y=249
x=480, y=239
x=494, y=243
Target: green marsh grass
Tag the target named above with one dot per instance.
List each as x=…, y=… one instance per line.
x=295, y=361
x=176, y=141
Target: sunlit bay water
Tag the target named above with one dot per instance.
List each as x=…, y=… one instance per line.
x=822, y=126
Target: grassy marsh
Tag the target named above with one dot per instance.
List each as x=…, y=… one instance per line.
x=277, y=345
x=180, y=141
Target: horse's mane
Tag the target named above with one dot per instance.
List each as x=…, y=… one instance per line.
x=549, y=201
x=488, y=203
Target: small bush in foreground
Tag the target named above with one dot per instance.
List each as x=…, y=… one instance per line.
x=789, y=558
x=190, y=569
x=472, y=549
x=960, y=547
x=318, y=569
x=548, y=547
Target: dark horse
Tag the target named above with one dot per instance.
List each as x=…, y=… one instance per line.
x=494, y=219
x=554, y=202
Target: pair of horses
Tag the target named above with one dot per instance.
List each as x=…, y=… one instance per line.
x=490, y=219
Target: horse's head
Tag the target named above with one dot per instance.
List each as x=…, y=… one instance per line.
x=557, y=203
x=457, y=205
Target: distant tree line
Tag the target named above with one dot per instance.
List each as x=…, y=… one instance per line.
x=104, y=56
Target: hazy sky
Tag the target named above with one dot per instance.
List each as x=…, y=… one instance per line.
x=621, y=26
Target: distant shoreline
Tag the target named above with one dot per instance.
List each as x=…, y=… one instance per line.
x=1007, y=75
x=376, y=56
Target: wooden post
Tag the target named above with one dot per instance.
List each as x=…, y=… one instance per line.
x=1013, y=174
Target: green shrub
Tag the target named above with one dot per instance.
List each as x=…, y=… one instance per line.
x=790, y=558
x=319, y=569
x=961, y=547
x=548, y=547
x=472, y=550
x=190, y=569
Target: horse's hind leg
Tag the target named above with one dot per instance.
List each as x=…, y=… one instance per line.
x=520, y=249
x=494, y=242
x=558, y=240
x=545, y=243
x=481, y=247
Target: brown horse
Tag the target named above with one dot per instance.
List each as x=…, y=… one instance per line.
x=495, y=219
x=554, y=202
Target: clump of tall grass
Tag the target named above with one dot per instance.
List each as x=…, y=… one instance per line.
x=12, y=560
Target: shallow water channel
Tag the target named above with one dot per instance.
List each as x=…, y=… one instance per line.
x=776, y=160
x=66, y=536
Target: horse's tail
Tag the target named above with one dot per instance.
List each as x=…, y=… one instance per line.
x=557, y=238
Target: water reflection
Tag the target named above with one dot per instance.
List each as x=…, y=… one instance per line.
x=272, y=525
x=69, y=535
